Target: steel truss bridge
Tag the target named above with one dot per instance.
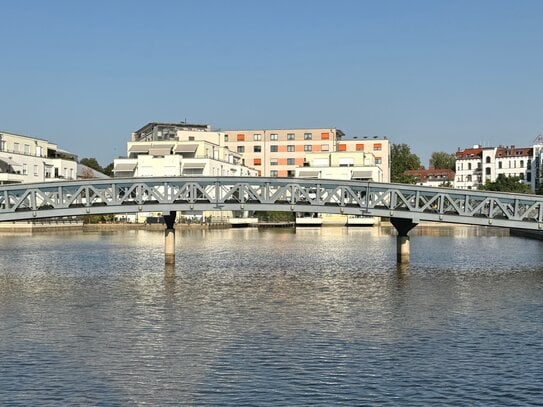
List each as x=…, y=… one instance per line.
x=409, y=202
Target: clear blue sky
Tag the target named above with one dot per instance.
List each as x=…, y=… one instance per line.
x=435, y=74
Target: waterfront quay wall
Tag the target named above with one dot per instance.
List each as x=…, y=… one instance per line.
x=54, y=226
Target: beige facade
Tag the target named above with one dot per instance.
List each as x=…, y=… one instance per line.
x=25, y=159
x=272, y=152
x=347, y=165
x=378, y=146
x=277, y=152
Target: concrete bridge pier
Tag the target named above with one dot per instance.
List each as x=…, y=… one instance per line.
x=169, y=238
x=403, y=226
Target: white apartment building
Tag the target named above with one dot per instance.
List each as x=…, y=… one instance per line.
x=272, y=152
x=25, y=159
x=155, y=151
x=476, y=165
x=346, y=165
x=340, y=165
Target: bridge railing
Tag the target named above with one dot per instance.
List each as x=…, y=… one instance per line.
x=27, y=201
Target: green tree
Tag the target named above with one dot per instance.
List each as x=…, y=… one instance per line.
x=92, y=163
x=442, y=160
x=401, y=160
x=506, y=184
x=109, y=170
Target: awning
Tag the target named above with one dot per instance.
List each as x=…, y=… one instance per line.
x=9, y=161
x=160, y=150
x=186, y=148
x=361, y=175
x=138, y=148
x=309, y=174
x=193, y=165
x=121, y=167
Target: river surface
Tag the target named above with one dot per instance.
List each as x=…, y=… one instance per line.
x=271, y=317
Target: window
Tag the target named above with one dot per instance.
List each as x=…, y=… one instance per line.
x=290, y=136
x=468, y=178
x=241, y=137
x=16, y=147
x=38, y=151
x=273, y=161
x=521, y=164
x=274, y=148
x=487, y=171
x=469, y=166
x=488, y=160
x=377, y=147
x=290, y=148
x=360, y=147
x=25, y=171
x=325, y=147
x=521, y=176
x=36, y=171
x=2, y=145
x=257, y=149
x=308, y=147
x=308, y=136
x=325, y=136
x=226, y=137
x=273, y=137
x=290, y=161
x=273, y=173
x=378, y=161
x=342, y=147
x=27, y=149
x=241, y=149
x=257, y=161
x=257, y=137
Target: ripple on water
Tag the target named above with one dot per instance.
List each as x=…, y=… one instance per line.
x=320, y=316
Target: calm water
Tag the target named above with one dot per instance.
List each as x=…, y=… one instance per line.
x=248, y=317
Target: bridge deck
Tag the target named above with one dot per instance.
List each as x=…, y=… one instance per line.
x=417, y=203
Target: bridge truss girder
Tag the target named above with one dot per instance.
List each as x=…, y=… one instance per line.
x=417, y=203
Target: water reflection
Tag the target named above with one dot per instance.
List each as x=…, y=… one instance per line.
x=322, y=316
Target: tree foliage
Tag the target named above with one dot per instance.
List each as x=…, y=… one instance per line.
x=442, y=160
x=401, y=160
x=506, y=184
x=95, y=165
x=91, y=163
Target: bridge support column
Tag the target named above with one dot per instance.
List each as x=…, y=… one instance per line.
x=403, y=226
x=169, y=238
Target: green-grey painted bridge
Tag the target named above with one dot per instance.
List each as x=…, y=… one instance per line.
x=410, y=202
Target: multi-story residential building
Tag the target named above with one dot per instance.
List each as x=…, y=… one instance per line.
x=273, y=152
x=277, y=152
x=433, y=177
x=347, y=165
x=469, y=166
x=26, y=159
x=475, y=166
x=341, y=165
x=169, y=150
x=379, y=147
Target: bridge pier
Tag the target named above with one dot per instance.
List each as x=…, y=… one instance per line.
x=403, y=226
x=169, y=238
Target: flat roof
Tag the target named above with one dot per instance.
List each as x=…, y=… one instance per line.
x=180, y=124
x=22, y=135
